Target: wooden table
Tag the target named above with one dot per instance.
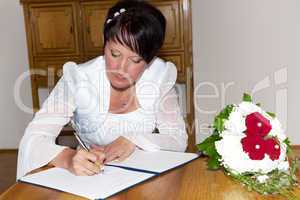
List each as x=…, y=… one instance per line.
x=192, y=181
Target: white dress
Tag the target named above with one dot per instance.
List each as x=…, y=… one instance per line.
x=83, y=93
x=135, y=122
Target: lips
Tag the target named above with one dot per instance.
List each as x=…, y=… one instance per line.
x=119, y=76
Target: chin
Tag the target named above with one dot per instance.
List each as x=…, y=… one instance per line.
x=120, y=85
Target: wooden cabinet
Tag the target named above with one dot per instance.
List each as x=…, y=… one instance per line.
x=172, y=10
x=50, y=70
x=54, y=29
x=178, y=59
x=71, y=30
x=93, y=16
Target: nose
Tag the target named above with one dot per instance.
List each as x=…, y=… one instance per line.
x=123, y=65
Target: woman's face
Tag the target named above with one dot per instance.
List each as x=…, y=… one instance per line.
x=123, y=66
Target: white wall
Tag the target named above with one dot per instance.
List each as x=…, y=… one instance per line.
x=247, y=44
x=13, y=62
x=238, y=43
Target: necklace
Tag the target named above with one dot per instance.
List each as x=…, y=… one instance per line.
x=122, y=101
x=123, y=104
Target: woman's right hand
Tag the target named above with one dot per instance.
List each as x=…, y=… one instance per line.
x=86, y=163
x=80, y=162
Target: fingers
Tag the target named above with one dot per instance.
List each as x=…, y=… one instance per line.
x=100, y=158
x=100, y=155
x=91, y=166
x=87, y=155
x=110, y=156
x=98, y=147
x=80, y=170
x=118, y=155
x=125, y=155
x=84, y=163
x=119, y=149
x=108, y=149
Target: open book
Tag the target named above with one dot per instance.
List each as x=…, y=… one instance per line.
x=117, y=176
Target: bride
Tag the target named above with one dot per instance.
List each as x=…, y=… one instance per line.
x=116, y=100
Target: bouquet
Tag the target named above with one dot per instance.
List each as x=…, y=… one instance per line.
x=250, y=145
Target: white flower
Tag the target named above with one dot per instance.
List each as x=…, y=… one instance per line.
x=235, y=123
x=236, y=160
x=277, y=130
x=246, y=108
x=262, y=178
x=283, y=166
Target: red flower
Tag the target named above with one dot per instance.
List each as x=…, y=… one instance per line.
x=257, y=124
x=254, y=143
x=272, y=149
x=255, y=146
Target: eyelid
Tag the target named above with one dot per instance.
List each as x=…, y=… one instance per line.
x=137, y=60
x=115, y=52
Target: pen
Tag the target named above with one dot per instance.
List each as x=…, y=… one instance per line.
x=82, y=144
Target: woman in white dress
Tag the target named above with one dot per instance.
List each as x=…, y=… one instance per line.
x=116, y=100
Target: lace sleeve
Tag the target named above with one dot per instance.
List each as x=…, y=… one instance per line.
x=37, y=147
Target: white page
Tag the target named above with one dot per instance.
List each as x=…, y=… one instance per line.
x=100, y=186
x=157, y=161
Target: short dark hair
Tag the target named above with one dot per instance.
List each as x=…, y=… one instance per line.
x=141, y=27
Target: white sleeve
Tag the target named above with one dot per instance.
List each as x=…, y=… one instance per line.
x=172, y=134
x=37, y=147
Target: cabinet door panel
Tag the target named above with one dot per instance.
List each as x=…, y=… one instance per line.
x=93, y=19
x=48, y=72
x=54, y=29
x=172, y=10
x=178, y=59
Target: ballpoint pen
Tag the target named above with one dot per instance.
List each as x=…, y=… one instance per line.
x=82, y=144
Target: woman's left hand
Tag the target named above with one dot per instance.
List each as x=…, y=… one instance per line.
x=119, y=149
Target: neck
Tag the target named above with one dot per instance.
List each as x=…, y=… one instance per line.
x=120, y=90
x=123, y=100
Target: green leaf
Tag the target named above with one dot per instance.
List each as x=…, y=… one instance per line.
x=288, y=146
x=213, y=164
x=208, y=148
x=293, y=170
x=219, y=124
x=221, y=117
x=271, y=114
x=226, y=112
x=211, y=151
x=247, y=97
x=208, y=143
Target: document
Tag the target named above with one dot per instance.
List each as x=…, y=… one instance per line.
x=100, y=186
x=117, y=176
x=155, y=162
